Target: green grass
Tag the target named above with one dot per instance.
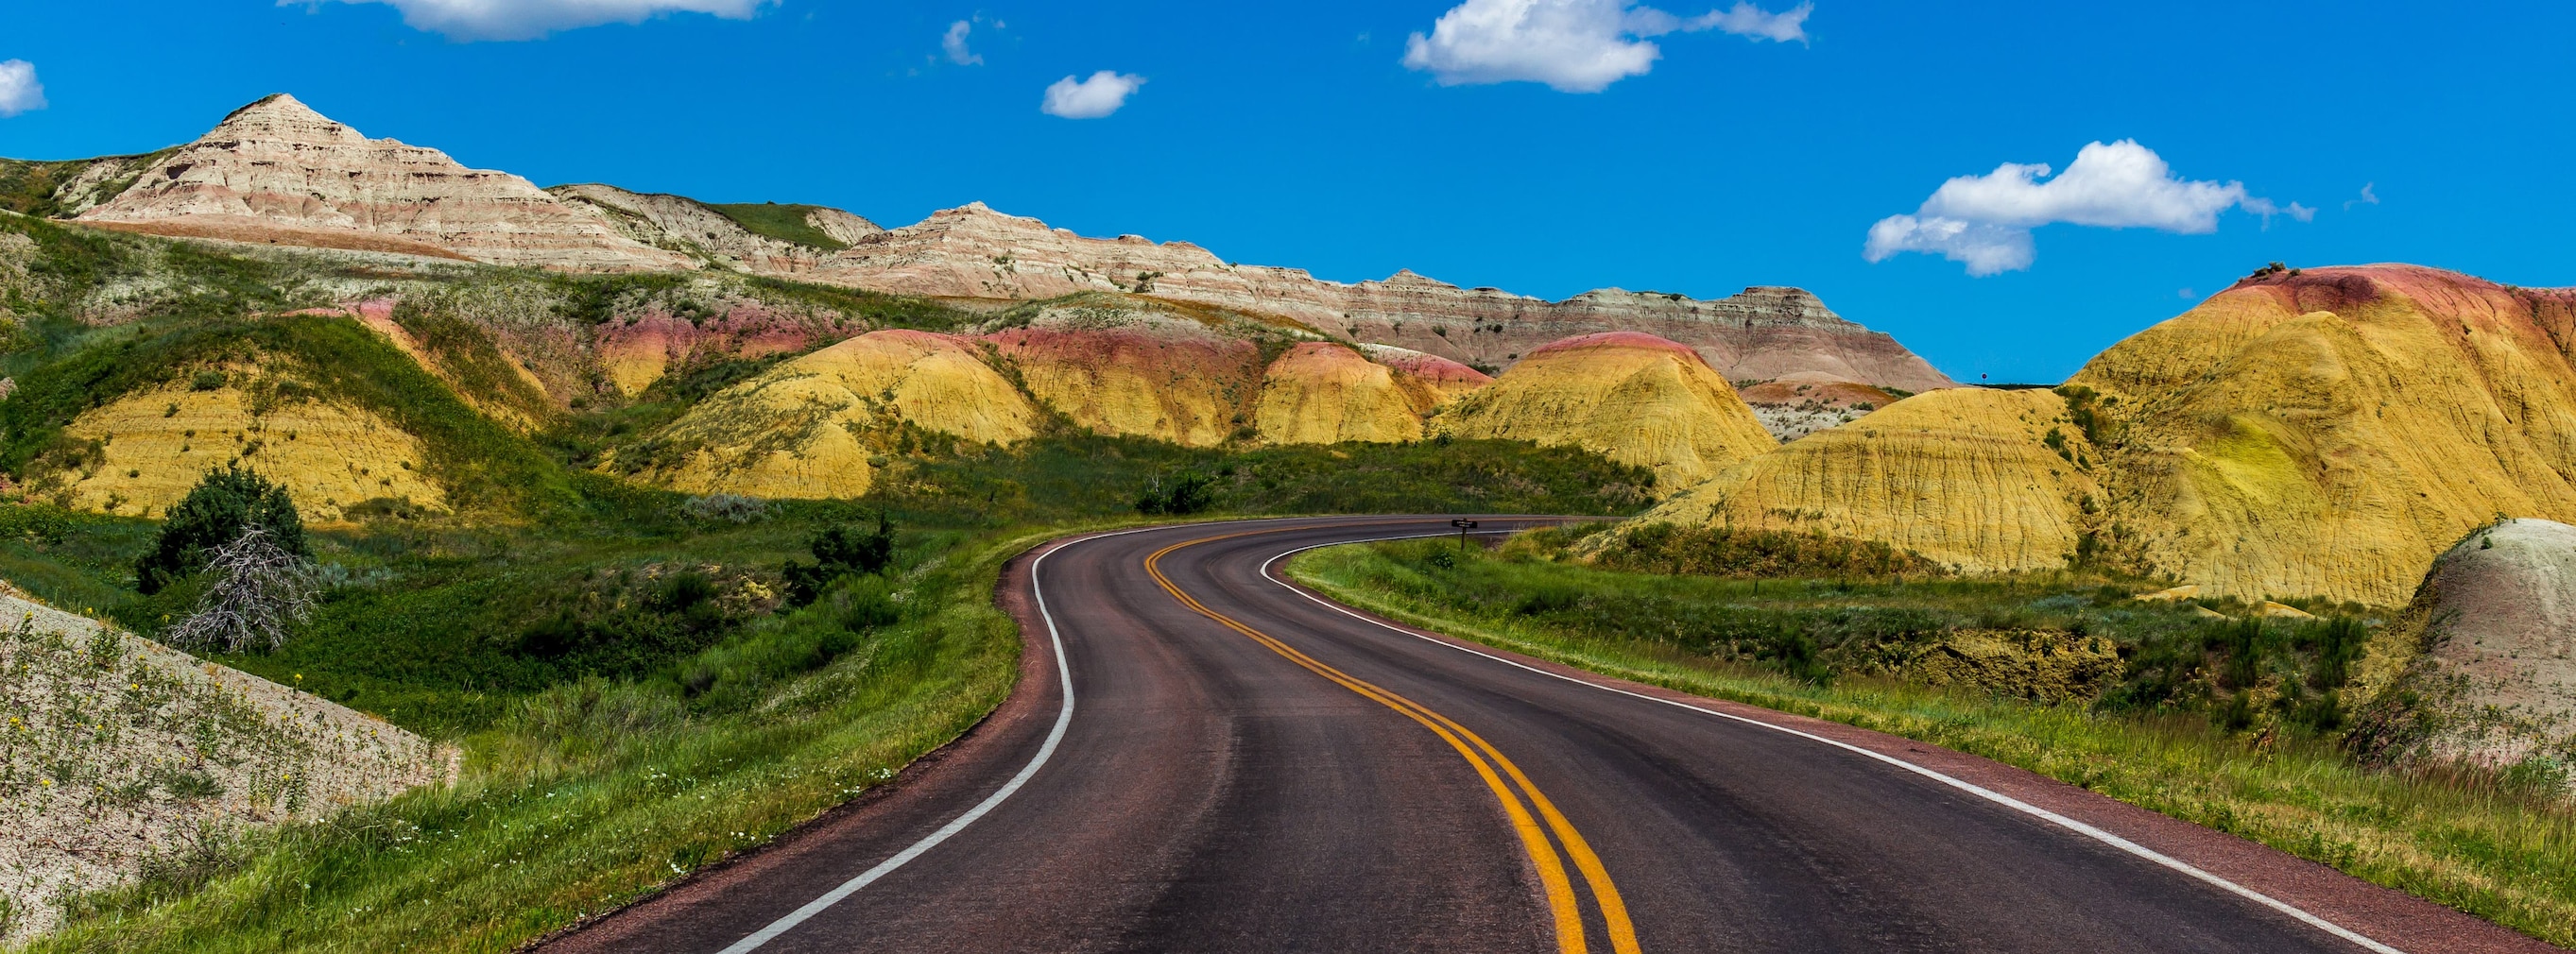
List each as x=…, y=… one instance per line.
x=2494, y=849
x=593, y=792
x=785, y=223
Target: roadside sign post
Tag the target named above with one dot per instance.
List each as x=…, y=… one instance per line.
x=1463, y=526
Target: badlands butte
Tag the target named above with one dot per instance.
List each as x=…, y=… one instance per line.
x=2317, y=433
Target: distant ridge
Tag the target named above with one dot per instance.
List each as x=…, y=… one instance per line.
x=277, y=172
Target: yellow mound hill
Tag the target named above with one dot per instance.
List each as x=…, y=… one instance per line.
x=1320, y=393
x=1634, y=397
x=1138, y=373
x=149, y=448
x=2329, y=433
x=2319, y=434
x=807, y=428
x=1965, y=476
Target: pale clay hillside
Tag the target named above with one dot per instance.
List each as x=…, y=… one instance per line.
x=121, y=751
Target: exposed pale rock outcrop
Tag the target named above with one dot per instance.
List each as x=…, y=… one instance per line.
x=278, y=171
x=2323, y=433
x=2494, y=625
x=1964, y=476
x=121, y=748
x=1636, y=398
x=1433, y=380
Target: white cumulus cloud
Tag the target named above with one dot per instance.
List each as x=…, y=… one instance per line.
x=954, y=44
x=469, y=20
x=1092, y=98
x=1574, y=46
x=19, y=91
x=1747, y=20
x=1985, y=221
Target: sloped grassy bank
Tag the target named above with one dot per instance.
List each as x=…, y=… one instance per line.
x=2485, y=845
x=591, y=793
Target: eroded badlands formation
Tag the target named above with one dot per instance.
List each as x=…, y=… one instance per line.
x=975, y=252
x=1632, y=397
x=277, y=172
x=2324, y=433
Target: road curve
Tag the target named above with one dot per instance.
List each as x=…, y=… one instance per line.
x=1245, y=767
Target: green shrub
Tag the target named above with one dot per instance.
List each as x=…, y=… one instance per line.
x=214, y=513
x=1188, y=492
x=1729, y=552
x=838, y=553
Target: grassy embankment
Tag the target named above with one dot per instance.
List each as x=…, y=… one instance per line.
x=2497, y=847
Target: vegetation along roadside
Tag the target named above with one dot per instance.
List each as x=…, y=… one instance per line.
x=2195, y=726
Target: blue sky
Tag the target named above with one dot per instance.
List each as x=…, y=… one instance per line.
x=1544, y=146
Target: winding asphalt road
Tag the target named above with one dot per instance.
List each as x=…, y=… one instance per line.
x=1245, y=767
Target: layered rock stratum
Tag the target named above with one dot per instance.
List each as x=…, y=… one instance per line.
x=275, y=171
x=1632, y=397
x=976, y=252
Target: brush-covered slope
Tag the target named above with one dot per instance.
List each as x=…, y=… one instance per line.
x=332, y=410
x=276, y=171
x=809, y=427
x=152, y=446
x=120, y=749
x=2327, y=433
x=1796, y=406
x=2495, y=626
x=787, y=240
x=1969, y=477
x=1635, y=398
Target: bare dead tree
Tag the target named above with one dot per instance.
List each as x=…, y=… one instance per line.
x=260, y=590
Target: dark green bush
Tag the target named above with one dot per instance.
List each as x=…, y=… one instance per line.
x=1186, y=493
x=214, y=513
x=838, y=553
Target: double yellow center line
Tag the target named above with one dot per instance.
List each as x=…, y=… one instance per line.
x=1485, y=759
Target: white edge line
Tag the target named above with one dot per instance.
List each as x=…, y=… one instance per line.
x=1063, y=718
x=1972, y=788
